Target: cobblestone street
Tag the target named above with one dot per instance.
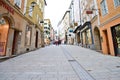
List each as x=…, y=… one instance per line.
x=61, y=63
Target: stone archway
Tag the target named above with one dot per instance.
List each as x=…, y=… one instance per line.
x=6, y=22
x=4, y=29
x=97, y=39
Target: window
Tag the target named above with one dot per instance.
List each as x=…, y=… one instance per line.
x=104, y=7
x=30, y=11
x=18, y=3
x=45, y=23
x=117, y=3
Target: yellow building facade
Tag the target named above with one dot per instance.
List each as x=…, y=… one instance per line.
x=36, y=15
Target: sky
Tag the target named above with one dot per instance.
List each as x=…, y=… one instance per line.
x=55, y=10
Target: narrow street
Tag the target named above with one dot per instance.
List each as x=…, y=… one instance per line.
x=62, y=62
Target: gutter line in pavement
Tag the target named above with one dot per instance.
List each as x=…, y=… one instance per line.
x=80, y=71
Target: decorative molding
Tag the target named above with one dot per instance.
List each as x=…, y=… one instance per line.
x=111, y=19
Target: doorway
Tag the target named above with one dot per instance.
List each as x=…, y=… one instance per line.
x=15, y=42
x=36, y=41
x=106, y=41
x=4, y=28
x=116, y=39
x=97, y=39
x=78, y=38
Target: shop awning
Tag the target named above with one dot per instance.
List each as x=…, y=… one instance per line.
x=77, y=28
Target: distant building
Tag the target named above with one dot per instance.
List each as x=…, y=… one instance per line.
x=75, y=19
x=51, y=34
x=47, y=31
x=63, y=26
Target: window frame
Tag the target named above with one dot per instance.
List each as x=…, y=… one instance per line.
x=30, y=11
x=118, y=3
x=18, y=3
x=103, y=4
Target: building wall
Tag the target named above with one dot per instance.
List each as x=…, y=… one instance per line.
x=112, y=11
x=63, y=27
x=36, y=18
x=14, y=25
x=76, y=12
x=16, y=37
x=107, y=21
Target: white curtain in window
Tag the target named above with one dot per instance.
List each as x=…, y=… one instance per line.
x=116, y=2
x=18, y=3
x=31, y=11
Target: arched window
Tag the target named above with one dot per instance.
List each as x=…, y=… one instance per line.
x=30, y=11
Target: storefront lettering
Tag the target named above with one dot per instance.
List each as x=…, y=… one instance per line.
x=6, y=6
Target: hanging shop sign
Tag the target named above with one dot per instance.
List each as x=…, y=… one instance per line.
x=6, y=6
x=89, y=12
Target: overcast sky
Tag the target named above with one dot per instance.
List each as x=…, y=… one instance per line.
x=55, y=10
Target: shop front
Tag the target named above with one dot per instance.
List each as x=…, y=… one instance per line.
x=10, y=37
x=10, y=30
x=110, y=36
x=86, y=36
x=116, y=39
x=77, y=35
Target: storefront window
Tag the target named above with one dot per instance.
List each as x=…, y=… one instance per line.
x=28, y=35
x=116, y=39
x=84, y=39
x=118, y=35
x=89, y=39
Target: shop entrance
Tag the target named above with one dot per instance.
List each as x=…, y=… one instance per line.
x=36, y=41
x=4, y=28
x=15, y=42
x=78, y=38
x=116, y=39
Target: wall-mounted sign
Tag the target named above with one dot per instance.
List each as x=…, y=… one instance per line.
x=6, y=6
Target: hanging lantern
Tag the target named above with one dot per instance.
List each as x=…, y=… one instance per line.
x=89, y=12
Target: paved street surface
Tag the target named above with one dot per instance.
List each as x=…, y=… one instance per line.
x=62, y=62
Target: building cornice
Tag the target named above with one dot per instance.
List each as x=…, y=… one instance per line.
x=110, y=20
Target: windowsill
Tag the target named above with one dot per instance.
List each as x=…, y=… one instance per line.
x=104, y=14
x=30, y=16
x=17, y=6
